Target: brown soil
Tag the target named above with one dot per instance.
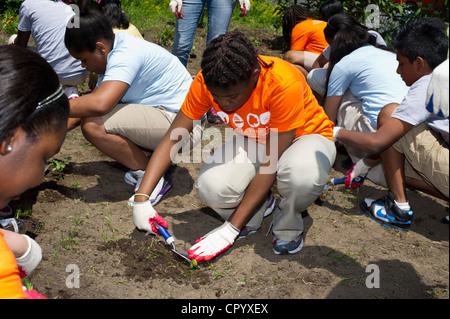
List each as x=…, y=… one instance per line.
x=84, y=222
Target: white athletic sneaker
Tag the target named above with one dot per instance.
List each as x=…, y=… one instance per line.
x=135, y=178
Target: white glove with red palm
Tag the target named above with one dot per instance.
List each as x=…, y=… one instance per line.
x=175, y=7
x=144, y=215
x=245, y=7
x=359, y=169
x=31, y=259
x=214, y=243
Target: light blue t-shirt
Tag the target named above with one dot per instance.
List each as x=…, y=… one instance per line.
x=371, y=76
x=156, y=77
x=47, y=21
x=412, y=110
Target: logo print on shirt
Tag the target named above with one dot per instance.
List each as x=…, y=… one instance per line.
x=238, y=121
x=264, y=118
x=252, y=120
x=224, y=116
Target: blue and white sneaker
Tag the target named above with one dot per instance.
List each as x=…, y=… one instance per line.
x=271, y=203
x=385, y=212
x=281, y=247
x=163, y=186
x=6, y=212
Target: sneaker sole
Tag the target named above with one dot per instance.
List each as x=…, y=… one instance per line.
x=290, y=252
x=7, y=214
x=163, y=191
x=250, y=232
x=270, y=209
x=367, y=212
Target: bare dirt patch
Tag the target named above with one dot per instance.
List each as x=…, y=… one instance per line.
x=84, y=223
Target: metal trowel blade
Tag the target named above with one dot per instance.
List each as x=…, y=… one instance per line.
x=182, y=254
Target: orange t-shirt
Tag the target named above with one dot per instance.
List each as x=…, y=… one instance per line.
x=10, y=283
x=308, y=36
x=281, y=100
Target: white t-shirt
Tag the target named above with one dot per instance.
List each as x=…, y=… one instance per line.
x=412, y=109
x=371, y=76
x=47, y=21
x=156, y=77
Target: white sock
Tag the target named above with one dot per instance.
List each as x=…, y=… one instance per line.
x=403, y=206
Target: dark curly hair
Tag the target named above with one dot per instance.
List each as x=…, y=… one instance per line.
x=425, y=37
x=93, y=26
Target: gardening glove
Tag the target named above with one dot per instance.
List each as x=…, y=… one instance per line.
x=31, y=259
x=144, y=215
x=214, y=243
x=175, y=7
x=245, y=7
x=32, y=294
x=336, y=130
x=437, y=92
x=359, y=169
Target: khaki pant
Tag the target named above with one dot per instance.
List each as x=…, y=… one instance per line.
x=144, y=125
x=426, y=157
x=316, y=79
x=309, y=59
x=302, y=171
x=351, y=117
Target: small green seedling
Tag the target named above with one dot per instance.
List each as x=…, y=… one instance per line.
x=58, y=167
x=194, y=264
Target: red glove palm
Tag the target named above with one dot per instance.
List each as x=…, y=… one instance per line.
x=214, y=243
x=356, y=174
x=144, y=215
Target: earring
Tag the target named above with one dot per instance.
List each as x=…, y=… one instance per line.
x=8, y=148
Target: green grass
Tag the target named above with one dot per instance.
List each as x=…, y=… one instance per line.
x=148, y=14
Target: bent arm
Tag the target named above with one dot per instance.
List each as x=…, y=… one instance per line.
x=161, y=158
x=375, y=143
x=256, y=192
x=319, y=62
x=22, y=38
x=331, y=107
x=99, y=102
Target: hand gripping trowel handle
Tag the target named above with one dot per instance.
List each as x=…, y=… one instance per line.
x=163, y=232
x=169, y=240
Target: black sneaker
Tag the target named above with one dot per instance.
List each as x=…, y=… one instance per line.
x=6, y=212
x=212, y=116
x=385, y=212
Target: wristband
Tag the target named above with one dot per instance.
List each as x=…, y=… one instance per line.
x=336, y=130
x=141, y=194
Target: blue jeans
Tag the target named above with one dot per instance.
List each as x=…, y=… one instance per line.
x=219, y=15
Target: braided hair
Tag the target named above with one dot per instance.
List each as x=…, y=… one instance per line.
x=229, y=60
x=293, y=16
